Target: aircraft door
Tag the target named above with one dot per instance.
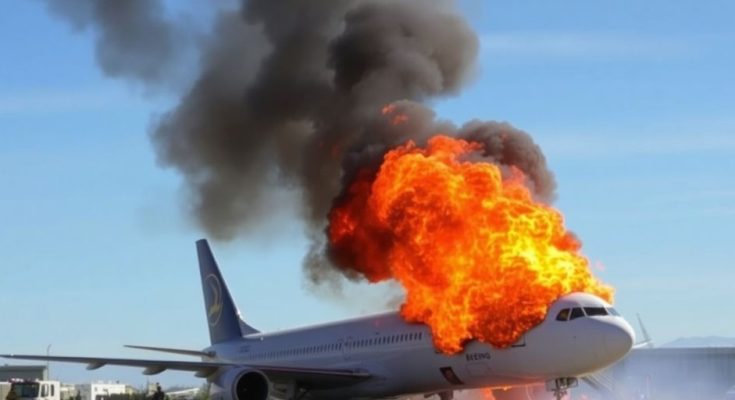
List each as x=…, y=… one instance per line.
x=346, y=345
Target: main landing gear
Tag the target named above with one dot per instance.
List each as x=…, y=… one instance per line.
x=448, y=395
x=560, y=386
x=295, y=392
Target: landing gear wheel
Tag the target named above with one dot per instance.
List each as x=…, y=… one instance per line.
x=560, y=386
x=559, y=393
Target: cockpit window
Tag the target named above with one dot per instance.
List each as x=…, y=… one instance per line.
x=568, y=314
x=576, y=313
x=563, y=315
x=593, y=311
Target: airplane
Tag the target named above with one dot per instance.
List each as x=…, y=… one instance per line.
x=381, y=355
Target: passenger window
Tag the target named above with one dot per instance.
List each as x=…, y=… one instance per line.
x=576, y=313
x=594, y=311
x=563, y=315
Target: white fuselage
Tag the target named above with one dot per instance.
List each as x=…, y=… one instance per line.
x=382, y=355
x=402, y=359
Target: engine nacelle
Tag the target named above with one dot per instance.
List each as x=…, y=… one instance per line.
x=242, y=384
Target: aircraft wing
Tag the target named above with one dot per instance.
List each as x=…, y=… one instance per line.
x=314, y=377
x=152, y=367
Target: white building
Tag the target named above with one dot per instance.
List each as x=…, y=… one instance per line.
x=100, y=390
x=68, y=391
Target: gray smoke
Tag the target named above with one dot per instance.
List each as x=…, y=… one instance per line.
x=289, y=93
x=506, y=145
x=133, y=39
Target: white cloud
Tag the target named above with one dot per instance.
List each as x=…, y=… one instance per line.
x=586, y=146
x=721, y=212
x=49, y=100
x=710, y=281
x=550, y=45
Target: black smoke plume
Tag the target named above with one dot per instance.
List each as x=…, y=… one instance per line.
x=291, y=93
x=133, y=40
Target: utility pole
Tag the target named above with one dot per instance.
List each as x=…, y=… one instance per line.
x=48, y=365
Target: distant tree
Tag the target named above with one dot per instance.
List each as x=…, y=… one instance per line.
x=203, y=393
x=133, y=396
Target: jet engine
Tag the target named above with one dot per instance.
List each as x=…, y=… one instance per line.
x=243, y=384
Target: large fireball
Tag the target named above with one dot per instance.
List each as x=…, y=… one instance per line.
x=477, y=256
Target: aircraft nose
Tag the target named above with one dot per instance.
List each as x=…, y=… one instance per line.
x=619, y=338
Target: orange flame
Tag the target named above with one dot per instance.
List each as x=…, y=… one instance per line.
x=397, y=118
x=487, y=394
x=477, y=256
x=388, y=109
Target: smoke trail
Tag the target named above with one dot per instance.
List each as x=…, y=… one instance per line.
x=289, y=94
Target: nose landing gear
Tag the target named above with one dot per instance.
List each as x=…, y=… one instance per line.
x=560, y=386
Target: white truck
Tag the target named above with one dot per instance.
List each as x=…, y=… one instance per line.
x=4, y=389
x=35, y=390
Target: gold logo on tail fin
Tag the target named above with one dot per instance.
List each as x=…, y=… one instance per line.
x=214, y=300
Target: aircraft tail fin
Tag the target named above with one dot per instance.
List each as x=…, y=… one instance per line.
x=223, y=316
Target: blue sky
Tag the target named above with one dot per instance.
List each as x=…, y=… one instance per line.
x=631, y=101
